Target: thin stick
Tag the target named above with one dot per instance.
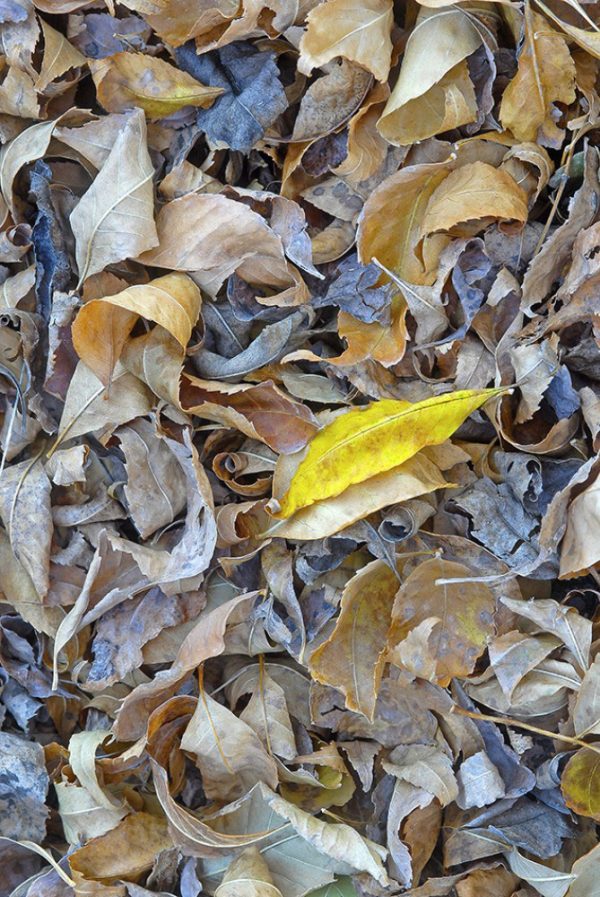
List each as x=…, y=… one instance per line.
x=508, y=721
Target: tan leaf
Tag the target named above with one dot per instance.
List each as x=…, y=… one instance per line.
x=546, y=75
x=137, y=79
x=124, y=852
x=102, y=326
x=248, y=876
x=114, y=219
x=229, y=754
x=390, y=224
x=59, y=57
x=352, y=658
x=580, y=549
x=472, y=193
x=214, y=236
x=466, y=613
x=357, y=31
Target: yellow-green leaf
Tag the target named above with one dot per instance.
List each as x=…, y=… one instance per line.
x=352, y=658
x=580, y=783
x=363, y=443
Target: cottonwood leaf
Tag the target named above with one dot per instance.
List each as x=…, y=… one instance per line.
x=586, y=712
x=114, y=219
x=215, y=236
x=248, y=876
x=434, y=92
x=59, y=57
x=390, y=224
x=358, y=31
x=126, y=851
x=580, y=783
x=137, y=79
x=102, y=326
x=352, y=659
x=471, y=193
x=229, y=754
x=465, y=611
x=363, y=443
x=26, y=515
x=545, y=75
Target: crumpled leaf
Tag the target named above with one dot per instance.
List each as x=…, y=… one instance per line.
x=102, y=326
x=465, y=615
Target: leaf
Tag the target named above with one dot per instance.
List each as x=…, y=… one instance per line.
x=417, y=476
x=59, y=57
x=215, y=236
x=92, y=407
x=434, y=92
x=252, y=97
x=465, y=611
x=352, y=658
x=360, y=444
x=25, y=511
x=390, y=224
x=473, y=192
x=545, y=75
x=114, y=219
x=228, y=752
x=136, y=79
x=359, y=32
x=124, y=852
x=260, y=411
x=586, y=712
x=152, y=471
x=102, y=326
x=248, y=876
x=564, y=622
x=578, y=552
x=580, y=783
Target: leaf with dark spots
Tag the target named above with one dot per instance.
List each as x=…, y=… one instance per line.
x=254, y=96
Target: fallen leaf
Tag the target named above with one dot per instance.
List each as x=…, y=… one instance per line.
x=465, y=611
x=545, y=76
x=380, y=437
x=106, y=220
x=352, y=658
x=360, y=33
x=135, y=79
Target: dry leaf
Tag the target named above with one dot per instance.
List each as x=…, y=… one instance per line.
x=352, y=658
x=359, y=32
x=135, y=79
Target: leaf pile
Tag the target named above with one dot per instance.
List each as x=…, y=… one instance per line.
x=299, y=432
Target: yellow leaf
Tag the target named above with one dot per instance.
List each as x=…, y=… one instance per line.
x=136, y=79
x=102, y=326
x=359, y=30
x=472, y=193
x=363, y=443
x=352, y=658
x=545, y=75
x=463, y=614
x=580, y=784
x=390, y=223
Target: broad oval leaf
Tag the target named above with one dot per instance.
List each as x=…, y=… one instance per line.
x=361, y=444
x=580, y=783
